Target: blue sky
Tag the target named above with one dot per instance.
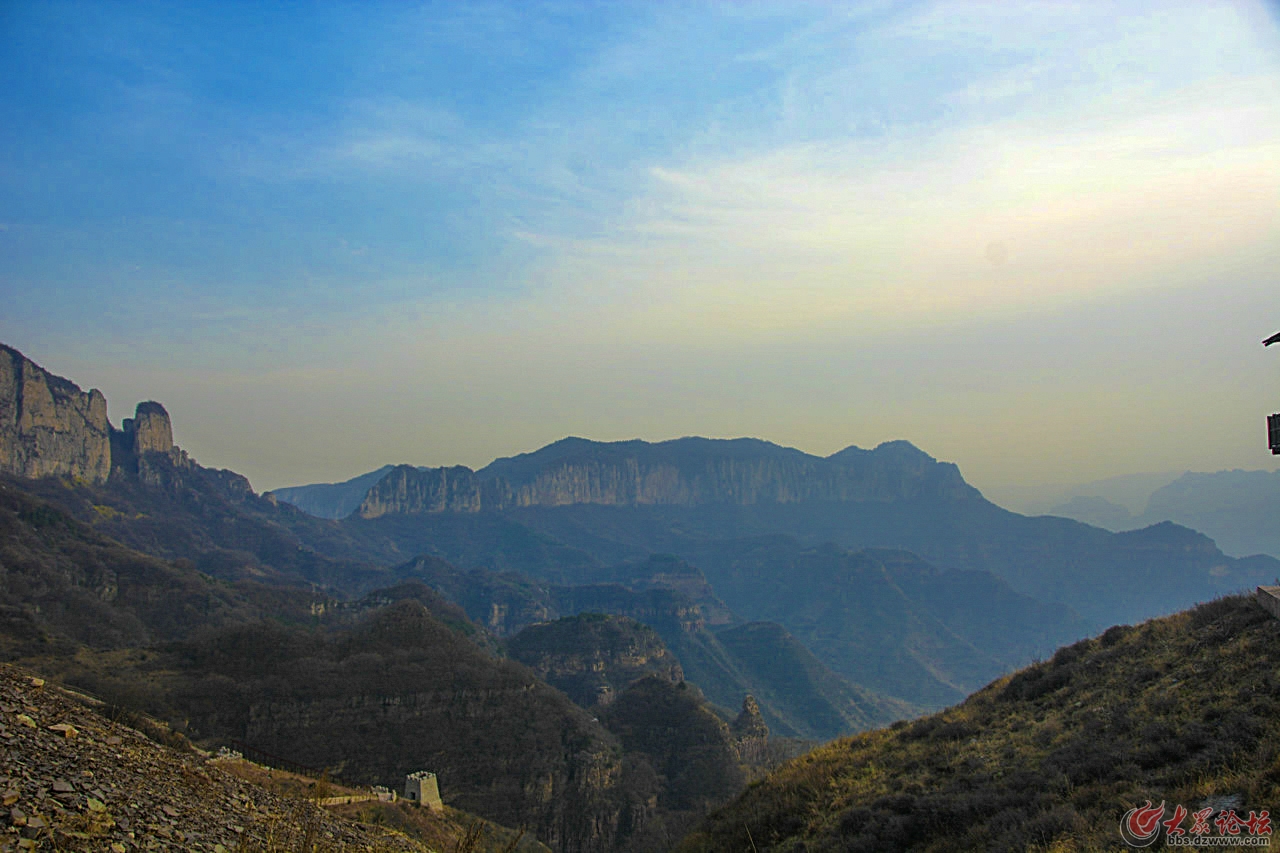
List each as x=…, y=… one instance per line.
x=1037, y=239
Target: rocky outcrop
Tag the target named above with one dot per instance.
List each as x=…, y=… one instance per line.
x=423, y=490
x=593, y=657
x=750, y=732
x=144, y=450
x=684, y=472
x=149, y=429
x=48, y=425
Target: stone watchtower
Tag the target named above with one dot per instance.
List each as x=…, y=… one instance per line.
x=421, y=787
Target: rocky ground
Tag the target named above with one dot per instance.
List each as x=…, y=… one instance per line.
x=72, y=780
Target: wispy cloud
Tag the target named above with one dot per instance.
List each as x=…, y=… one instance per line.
x=639, y=218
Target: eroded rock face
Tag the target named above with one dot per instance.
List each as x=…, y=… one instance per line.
x=593, y=657
x=150, y=429
x=684, y=472
x=750, y=732
x=48, y=425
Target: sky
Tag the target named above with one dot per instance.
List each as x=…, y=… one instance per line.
x=1039, y=240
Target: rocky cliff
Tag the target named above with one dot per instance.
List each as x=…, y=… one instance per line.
x=684, y=472
x=593, y=657
x=49, y=427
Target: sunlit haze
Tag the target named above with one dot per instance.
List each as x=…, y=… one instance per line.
x=1039, y=240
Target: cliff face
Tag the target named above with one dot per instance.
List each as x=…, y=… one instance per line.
x=51, y=428
x=408, y=489
x=48, y=426
x=685, y=472
x=592, y=657
x=149, y=429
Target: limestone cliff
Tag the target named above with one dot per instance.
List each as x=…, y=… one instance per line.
x=684, y=472
x=144, y=449
x=409, y=489
x=48, y=425
x=149, y=429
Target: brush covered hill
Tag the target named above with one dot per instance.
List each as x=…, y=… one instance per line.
x=64, y=584
x=1182, y=710
x=377, y=687
x=692, y=761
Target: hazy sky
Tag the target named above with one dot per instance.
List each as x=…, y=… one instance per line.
x=1040, y=240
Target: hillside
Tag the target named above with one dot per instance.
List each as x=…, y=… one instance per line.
x=397, y=691
x=66, y=584
x=371, y=688
x=1181, y=711
x=74, y=780
x=887, y=619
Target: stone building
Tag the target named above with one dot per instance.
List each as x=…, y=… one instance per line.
x=421, y=787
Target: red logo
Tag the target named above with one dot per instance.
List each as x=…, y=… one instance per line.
x=1140, y=826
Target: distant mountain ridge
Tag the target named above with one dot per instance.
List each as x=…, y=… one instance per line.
x=1237, y=509
x=331, y=500
x=681, y=472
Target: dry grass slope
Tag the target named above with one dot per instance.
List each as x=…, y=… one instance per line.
x=1179, y=709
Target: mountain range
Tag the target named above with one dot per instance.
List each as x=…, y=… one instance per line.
x=562, y=511
x=828, y=595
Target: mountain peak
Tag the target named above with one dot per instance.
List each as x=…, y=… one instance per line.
x=897, y=449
